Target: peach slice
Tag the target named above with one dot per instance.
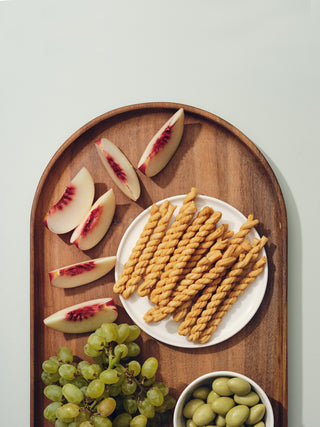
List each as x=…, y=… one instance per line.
x=81, y=273
x=163, y=145
x=96, y=223
x=74, y=204
x=119, y=168
x=84, y=317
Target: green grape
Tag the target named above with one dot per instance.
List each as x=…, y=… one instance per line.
x=79, y=381
x=50, y=366
x=121, y=350
x=91, y=352
x=84, y=415
x=68, y=411
x=109, y=331
x=149, y=382
x=134, y=368
x=53, y=392
x=133, y=349
x=128, y=386
x=72, y=393
x=82, y=364
x=60, y=423
x=168, y=403
x=122, y=420
x=130, y=404
x=99, y=421
x=123, y=333
x=95, y=389
x=98, y=332
x=96, y=342
x=91, y=372
x=106, y=407
x=155, y=396
x=48, y=379
x=139, y=421
x=134, y=333
x=109, y=376
x=162, y=387
x=67, y=372
x=65, y=355
x=63, y=381
x=97, y=369
x=146, y=408
x=54, y=358
x=50, y=411
x=149, y=367
x=85, y=424
x=114, y=389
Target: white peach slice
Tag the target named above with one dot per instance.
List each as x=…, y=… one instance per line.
x=96, y=223
x=119, y=168
x=81, y=273
x=84, y=317
x=163, y=145
x=74, y=204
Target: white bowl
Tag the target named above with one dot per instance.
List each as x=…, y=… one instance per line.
x=178, y=418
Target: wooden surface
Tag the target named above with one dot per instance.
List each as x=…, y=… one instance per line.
x=221, y=162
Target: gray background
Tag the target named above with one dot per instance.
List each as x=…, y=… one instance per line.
x=254, y=63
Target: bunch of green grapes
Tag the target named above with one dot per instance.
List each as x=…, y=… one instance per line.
x=114, y=390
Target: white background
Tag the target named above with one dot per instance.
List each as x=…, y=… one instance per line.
x=254, y=63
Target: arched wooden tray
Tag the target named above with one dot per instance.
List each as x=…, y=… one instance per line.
x=221, y=162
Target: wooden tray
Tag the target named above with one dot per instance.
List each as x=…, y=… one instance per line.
x=221, y=162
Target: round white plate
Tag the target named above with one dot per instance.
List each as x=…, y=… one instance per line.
x=166, y=331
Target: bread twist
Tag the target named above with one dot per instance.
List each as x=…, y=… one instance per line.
x=141, y=243
x=201, y=226
x=166, y=248
x=182, y=293
x=223, y=289
x=166, y=210
x=231, y=299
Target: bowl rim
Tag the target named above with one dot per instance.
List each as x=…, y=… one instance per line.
x=177, y=415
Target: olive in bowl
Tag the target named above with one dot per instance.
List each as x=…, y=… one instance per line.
x=223, y=398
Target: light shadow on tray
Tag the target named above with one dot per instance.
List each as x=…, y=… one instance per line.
x=295, y=344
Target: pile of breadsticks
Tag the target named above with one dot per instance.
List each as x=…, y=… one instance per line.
x=193, y=269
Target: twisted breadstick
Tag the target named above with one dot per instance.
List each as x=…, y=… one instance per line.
x=223, y=290
x=166, y=210
x=201, y=226
x=182, y=293
x=177, y=270
x=231, y=299
x=144, y=237
x=166, y=248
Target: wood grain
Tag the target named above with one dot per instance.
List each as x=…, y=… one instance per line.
x=221, y=162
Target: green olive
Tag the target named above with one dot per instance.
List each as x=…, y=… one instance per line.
x=260, y=424
x=191, y=406
x=203, y=415
x=256, y=414
x=220, y=421
x=190, y=423
x=201, y=393
x=237, y=415
x=222, y=405
x=212, y=396
x=249, y=399
x=239, y=386
x=220, y=386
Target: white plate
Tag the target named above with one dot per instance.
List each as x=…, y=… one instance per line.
x=166, y=331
